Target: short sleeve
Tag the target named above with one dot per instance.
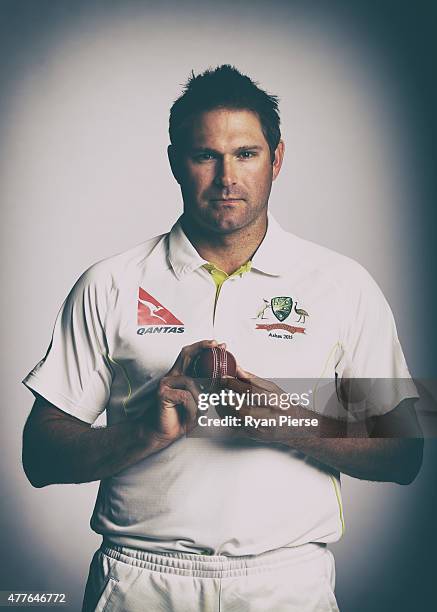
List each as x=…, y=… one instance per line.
x=75, y=375
x=372, y=354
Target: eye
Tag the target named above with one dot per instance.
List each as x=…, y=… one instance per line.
x=246, y=154
x=203, y=157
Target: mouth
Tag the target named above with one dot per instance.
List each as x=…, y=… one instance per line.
x=227, y=200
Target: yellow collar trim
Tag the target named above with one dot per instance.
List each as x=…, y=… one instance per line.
x=219, y=276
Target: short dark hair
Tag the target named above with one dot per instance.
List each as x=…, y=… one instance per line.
x=224, y=87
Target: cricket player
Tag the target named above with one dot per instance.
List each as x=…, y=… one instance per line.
x=240, y=522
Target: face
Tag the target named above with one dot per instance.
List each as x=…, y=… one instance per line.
x=226, y=171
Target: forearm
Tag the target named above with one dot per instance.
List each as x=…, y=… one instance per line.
x=365, y=458
x=61, y=451
x=59, y=448
x=351, y=451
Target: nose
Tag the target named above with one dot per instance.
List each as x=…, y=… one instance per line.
x=226, y=176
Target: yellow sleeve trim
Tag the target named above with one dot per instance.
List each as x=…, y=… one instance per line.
x=340, y=504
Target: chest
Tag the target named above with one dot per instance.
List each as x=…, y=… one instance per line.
x=276, y=327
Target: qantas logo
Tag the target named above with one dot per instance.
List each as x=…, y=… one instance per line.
x=155, y=316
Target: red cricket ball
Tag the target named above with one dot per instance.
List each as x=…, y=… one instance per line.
x=213, y=364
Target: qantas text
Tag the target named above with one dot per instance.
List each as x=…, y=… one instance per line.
x=160, y=330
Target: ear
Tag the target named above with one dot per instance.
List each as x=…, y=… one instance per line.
x=279, y=156
x=174, y=160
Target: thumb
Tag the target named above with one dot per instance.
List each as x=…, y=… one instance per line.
x=244, y=374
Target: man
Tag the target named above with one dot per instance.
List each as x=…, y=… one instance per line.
x=204, y=523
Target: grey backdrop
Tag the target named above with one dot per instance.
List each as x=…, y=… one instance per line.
x=85, y=93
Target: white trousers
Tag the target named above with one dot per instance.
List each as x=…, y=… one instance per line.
x=299, y=579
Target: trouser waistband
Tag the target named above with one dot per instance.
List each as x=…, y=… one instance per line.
x=212, y=566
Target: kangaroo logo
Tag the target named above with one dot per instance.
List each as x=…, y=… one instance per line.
x=152, y=312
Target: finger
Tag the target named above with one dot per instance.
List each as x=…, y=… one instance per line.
x=187, y=354
x=181, y=395
x=182, y=392
x=266, y=397
x=242, y=386
x=191, y=415
x=180, y=382
x=258, y=412
x=241, y=373
x=183, y=402
x=235, y=384
x=260, y=384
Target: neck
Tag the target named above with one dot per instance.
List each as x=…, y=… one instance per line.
x=226, y=251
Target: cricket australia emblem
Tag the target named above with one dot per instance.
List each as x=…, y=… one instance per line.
x=277, y=310
x=281, y=307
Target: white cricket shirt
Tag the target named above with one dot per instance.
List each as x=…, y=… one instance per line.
x=302, y=311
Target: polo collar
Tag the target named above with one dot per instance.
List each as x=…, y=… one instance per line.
x=270, y=258
x=182, y=255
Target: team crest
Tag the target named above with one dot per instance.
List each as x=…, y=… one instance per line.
x=275, y=311
x=281, y=307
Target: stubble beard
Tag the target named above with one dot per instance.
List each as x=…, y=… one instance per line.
x=225, y=222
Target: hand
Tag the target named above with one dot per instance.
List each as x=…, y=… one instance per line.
x=246, y=381
x=175, y=405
